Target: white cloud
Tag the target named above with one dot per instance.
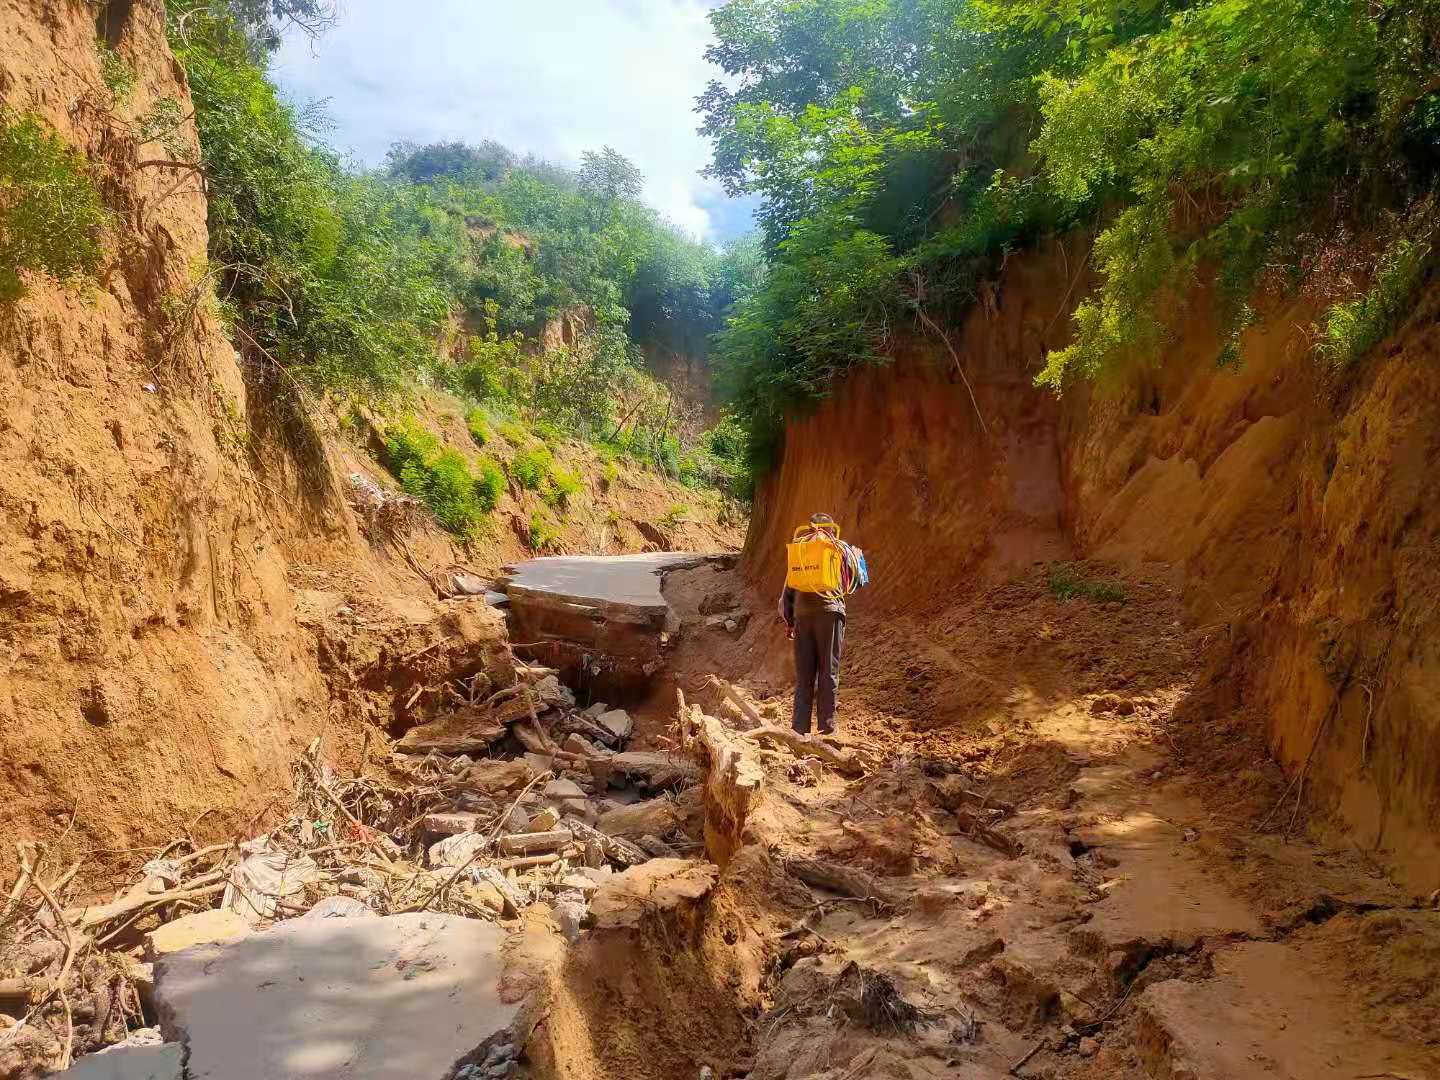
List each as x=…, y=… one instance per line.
x=551, y=77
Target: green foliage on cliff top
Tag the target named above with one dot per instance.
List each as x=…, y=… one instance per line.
x=901, y=147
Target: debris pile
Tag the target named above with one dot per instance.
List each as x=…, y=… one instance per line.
x=556, y=809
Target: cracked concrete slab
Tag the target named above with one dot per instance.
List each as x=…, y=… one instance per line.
x=337, y=999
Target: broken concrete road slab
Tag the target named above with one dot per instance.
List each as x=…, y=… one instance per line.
x=129, y=1063
x=337, y=999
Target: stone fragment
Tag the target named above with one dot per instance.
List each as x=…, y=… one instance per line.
x=578, y=744
x=340, y=907
x=1088, y=1047
x=569, y=911
x=450, y=824
x=658, y=885
x=494, y=776
x=655, y=817
x=342, y=999
x=579, y=882
x=562, y=789
x=200, y=928
x=456, y=850
x=543, y=820
x=617, y=722
x=595, y=710
x=130, y=1062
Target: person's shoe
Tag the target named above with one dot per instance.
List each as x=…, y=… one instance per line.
x=831, y=731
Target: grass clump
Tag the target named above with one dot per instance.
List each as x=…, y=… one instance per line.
x=1066, y=582
x=513, y=432
x=442, y=480
x=543, y=532
x=675, y=514
x=561, y=486
x=531, y=468
x=478, y=424
x=50, y=211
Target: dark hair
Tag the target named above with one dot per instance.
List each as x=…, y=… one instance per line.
x=821, y=519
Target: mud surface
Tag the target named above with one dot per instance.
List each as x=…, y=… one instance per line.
x=1161, y=913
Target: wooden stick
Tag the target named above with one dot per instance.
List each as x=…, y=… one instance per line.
x=528, y=862
x=807, y=746
x=837, y=879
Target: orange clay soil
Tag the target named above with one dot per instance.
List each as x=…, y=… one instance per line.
x=1153, y=923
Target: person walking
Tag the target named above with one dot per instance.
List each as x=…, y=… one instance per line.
x=816, y=623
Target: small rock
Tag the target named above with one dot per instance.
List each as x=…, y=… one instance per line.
x=201, y=928
x=562, y=789
x=517, y=820
x=543, y=820
x=552, y=692
x=731, y=626
x=539, y=763
x=460, y=764
x=579, y=882
x=450, y=824
x=617, y=722
x=467, y=585
x=595, y=710
x=569, y=911
x=340, y=907
x=581, y=808
x=364, y=877
x=578, y=744
x=456, y=850
x=1088, y=1047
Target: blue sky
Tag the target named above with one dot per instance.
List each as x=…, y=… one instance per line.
x=551, y=77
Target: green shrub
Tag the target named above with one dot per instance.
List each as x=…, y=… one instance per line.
x=609, y=473
x=489, y=485
x=478, y=424
x=513, y=433
x=543, y=532
x=561, y=486
x=1066, y=582
x=441, y=479
x=531, y=468
x=1354, y=328
x=675, y=514
x=549, y=434
x=118, y=76
x=50, y=212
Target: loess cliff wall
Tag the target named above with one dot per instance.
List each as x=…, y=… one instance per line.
x=170, y=574
x=1296, y=506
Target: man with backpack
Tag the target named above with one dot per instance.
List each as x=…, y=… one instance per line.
x=822, y=571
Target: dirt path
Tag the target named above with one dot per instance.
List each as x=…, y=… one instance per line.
x=1147, y=926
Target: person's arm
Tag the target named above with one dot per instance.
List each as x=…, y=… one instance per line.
x=787, y=608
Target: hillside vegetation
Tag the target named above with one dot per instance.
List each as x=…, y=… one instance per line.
x=526, y=290
x=903, y=148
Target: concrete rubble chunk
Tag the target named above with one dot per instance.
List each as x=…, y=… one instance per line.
x=338, y=999
x=543, y=820
x=493, y=776
x=134, y=1062
x=617, y=722
x=200, y=928
x=552, y=693
x=563, y=789
x=450, y=824
x=456, y=850
x=581, y=883
x=340, y=907
x=594, y=711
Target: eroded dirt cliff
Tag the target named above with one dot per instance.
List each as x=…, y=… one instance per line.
x=1289, y=500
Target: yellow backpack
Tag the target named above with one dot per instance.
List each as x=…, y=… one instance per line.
x=814, y=560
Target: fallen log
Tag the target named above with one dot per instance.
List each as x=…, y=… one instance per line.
x=952, y=794
x=529, y=843
x=976, y=829
x=653, y=769
x=732, y=784
x=808, y=746
x=841, y=880
x=515, y=900
x=613, y=848
x=528, y=862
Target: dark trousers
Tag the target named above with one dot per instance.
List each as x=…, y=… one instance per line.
x=819, y=639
